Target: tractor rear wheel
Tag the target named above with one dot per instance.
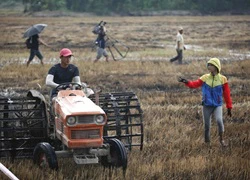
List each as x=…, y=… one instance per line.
x=45, y=156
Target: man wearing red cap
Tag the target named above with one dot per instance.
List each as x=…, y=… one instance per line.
x=62, y=72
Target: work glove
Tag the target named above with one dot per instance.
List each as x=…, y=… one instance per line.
x=229, y=113
x=180, y=79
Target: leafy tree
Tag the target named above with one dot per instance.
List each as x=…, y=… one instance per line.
x=38, y=5
x=105, y=7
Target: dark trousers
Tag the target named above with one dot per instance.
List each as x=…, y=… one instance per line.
x=34, y=53
x=178, y=57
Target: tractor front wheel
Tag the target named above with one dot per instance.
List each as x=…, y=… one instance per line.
x=44, y=156
x=118, y=155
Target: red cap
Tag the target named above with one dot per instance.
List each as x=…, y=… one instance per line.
x=65, y=52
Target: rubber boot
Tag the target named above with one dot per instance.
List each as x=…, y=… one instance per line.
x=222, y=142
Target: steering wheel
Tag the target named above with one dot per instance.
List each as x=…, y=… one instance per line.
x=70, y=85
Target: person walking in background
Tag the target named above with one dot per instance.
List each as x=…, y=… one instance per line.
x=35, y=40
x=179, y=47
x=214, y=88
x=62, y=72
x=101, y=44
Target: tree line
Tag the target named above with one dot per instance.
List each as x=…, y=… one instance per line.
x=106, y=7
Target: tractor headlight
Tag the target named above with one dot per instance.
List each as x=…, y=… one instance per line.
x=99, y=119
x=71, y=121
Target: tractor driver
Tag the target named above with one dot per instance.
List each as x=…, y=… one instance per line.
x=62, y=72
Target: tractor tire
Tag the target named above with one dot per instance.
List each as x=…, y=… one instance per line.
x=44, y=156
x=118, y=155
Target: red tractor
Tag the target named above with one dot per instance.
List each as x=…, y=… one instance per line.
x=100, y=128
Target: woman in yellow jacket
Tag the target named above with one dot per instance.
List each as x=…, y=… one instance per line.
x=214, y=87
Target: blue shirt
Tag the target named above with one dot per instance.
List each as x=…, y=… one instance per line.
x=100, y=39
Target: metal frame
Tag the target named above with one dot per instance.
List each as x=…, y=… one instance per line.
x=125, y=121
x=111, y=45
x=23, y=124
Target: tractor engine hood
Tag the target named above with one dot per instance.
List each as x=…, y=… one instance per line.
x=78, y=105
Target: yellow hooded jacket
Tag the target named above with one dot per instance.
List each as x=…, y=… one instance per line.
x=214, y=88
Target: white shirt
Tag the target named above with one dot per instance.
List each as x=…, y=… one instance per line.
x=179, y=38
